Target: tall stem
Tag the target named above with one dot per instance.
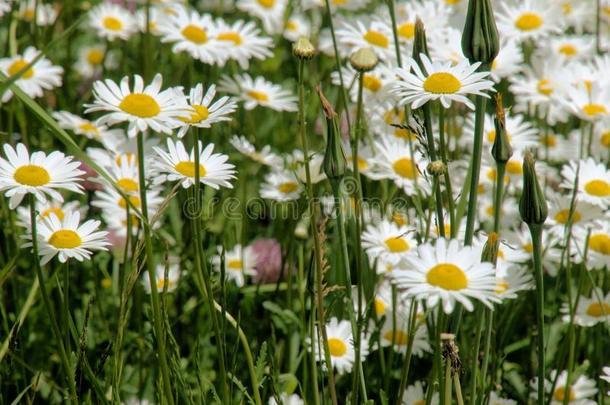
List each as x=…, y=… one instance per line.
x=407, y=363
x=536, y=232
x=152, y=277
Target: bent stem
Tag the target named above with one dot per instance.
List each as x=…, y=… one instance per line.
x=47, y=303
x=152, y=277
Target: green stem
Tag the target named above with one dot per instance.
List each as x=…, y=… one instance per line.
x=152, y=277
x=407, y=363
x=458, y=389
x=444, y=153
x=474, y=367
x=438, y=196
x=536, y=233
x=448, y=386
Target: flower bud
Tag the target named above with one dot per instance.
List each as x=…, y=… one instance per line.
x=303, y=49
x=420, y=44
x=490, y=249
x=532, y=206
x=480, y=42
x=501, y=149
x=334, y=163
x=364, y=60
x=436, y=168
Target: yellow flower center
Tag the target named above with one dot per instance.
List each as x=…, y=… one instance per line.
x=95, y=57
x=134, y=200
x=399, y=219
x=112, y=24
x=491, y=135
x=16, y=66
x=598, y=188
x=560, y=394
x=128, y=155
x=32, y=175
x=362, y=164
x=501, y=287
x=528, y=247
x=266, y=3
x=514, y=167
x=162, y=282
x=195, y=34
x=59, y=213
x=127, y=185
x=423, y=401
x=605, y=139
x=187, y=168
x=447, y=276
x=528, y=21
x=379, y=307
x=442, y=83
x=600, y=243
x=593, y=109
x=258, y=95
x=568, y=49
x=339, y=2
x=566, y=8
x=140, y=105
x=405, y=167
x=336, y=347
x=597, y=309
x=235, y=264
x=549, y=140
x=397, y=336
x=88, y=127
x=288, y=187
x=544, y=87
x=407, y=30
x=376, y=38
x=397, y=245
x=291, y=25
x=453, y=2
x=404, y=133
x=230, y=36
x=65, y=239
x=201, y=114
x=371, y=83
x=106, y=282
x=563, y=216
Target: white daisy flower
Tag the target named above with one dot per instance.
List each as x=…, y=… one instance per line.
x=270, y=12
x=593, y=181
x=559, y=213
x=43, y=75
x=124, y=173
x=579, y=15
x=84, y=127
x=316, y=171
x=508, y=62
x=110, y=200
x=520, y=132
x=398, y=337
x=512, y=280
x=281, y=186
x=242, y=41
x=204, y=112
x=177, y=164
x=258, y=92
x=45, y=14
x=264, y=156
x=365, y=157
x=170, y=282
x=496, y=399
x=286, y=399
x=375, y=84
x=38, y=174
x=375, y=34
x=296, y=27
x=589, y=102
x=388, y=241
x=91, y=60
x=433, y=14
x=570, y=47
x=447, y=272
x=598, y=254
x=5, y=7
x=440, y=82
x=68, y=238
x=529, y=19
x=606, y=376
x=578, y=392
x=60, y=209
x=143, y=108
x=415, y=395
x=112, y=21
x=238, y=263
x=590, y=310
x=155, y=16
x=446, y=46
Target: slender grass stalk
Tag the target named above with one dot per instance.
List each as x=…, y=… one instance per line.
x=65, y=362
x=458, y=389
x=66, y=300
x=536, y=232
x=23, y=313
x=474, y=366
x=404, y=374
x=443, y=151
x=152, y=277
x=448, y=385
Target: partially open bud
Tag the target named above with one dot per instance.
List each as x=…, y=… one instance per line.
x=364, y=60
x=532, y=206
x=491, y=248
x=334, y=163
x=303, y=49
x=480, y=42
x=501, y=149
x=436, y=168
x=420, y=44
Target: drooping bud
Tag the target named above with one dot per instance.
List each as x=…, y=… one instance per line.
x=420, y=44
x=501, y=149
x=436, y=168
x=303, y=49
x=364, y=60
x=532, y=206
x=491, y=248
x=334, y=163
x=480, y=41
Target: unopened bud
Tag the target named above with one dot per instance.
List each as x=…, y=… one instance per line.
x=334, y=163
x=420, y=44
x=303, y=49
x=436, y=168
x=480, y=42
x=364, y=60
x=501, y=149
x=491, y=248
x=532, y=206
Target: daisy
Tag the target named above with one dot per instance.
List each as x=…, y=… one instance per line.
x=67, y=238
x=577, y=393
x=433, y=14
x=528, y=19
x=287, y=399
x=571, y=47
x=511, y=280
x=398, y=337
x=496, y=399
x=441, y=81
x=375, y=84
x=81, y=126
x=124, y=173
x=559, y=213
x=42, y=75
x=60, y=209
x=112, y=21
x=46, y=14
x=270, y=12
x=335, y=5
x=520, y=132
x=164, y=283
x=238, y=263
x=316, y=171
x=598, y=254
x=258, y=92
x=590, y=310
x=177, y=164
x=204, y=112
x=376, y=34
x=508, y=61
x=446, y=46
x=38, y=174
x=91, y=60
x=340, y=344
x=414, y=395
x=110, y=200
x=5, y=7
x=296, y=27
x=593, y=181
x=155, y=15
x=578, y=14
x=365, y=157
x=143, y=108
x=606, y=376
x=447, y=272
x=589, y=102
x=281, y=186
x=388, y=241
x=242, y=41
x=193, y=33
x=264, y=156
